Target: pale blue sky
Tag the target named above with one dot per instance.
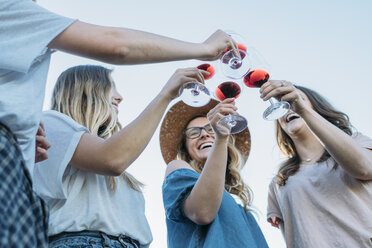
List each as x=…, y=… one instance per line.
x=323, y=45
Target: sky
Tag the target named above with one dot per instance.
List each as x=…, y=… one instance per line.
x=321, y=44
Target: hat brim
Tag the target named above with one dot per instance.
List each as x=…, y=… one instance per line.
x=176, y=120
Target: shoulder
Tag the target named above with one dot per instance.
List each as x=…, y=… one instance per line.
x=55, y=120
x=176, y=165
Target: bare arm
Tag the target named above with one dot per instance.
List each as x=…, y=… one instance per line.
x=114, y=155
x=127, y=46
x=356, y=160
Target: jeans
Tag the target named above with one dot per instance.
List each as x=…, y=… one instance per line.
x=91, y=239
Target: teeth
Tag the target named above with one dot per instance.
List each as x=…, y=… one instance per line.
x=205, y=145
x=289, y=117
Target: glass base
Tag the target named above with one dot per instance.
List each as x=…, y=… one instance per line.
x=276, y=110
x=194, y=94
x=235, y=123
x=235, y=64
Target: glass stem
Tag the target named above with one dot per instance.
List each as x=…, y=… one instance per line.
x=271, y=101
x=196, y=90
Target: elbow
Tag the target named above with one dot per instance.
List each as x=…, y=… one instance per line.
x=203, y=218
x=364, y=172
x=120, y=54
x=114, y=167
x=364, y=175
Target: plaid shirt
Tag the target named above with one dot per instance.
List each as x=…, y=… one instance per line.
x=23, y=214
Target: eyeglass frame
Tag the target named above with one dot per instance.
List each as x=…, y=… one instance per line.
x=200, y=131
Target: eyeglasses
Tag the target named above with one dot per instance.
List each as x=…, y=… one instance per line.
x=195, y=132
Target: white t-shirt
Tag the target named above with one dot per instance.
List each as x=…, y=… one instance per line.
x=324, y=207
x=81, y=200
x=25, y=31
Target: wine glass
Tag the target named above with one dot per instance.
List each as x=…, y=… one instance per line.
x=235, y=63
x=194, y=94
x=230, y=89
x=255, y=79
x=209, y=68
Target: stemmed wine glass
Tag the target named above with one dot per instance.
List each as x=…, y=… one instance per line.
x=196, y=94
x=231, y=89
x=255, y=79
x=235, y=63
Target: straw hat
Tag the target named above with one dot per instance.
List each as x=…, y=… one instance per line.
x=176, y=120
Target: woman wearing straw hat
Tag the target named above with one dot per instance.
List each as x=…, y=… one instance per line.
x=204, y=164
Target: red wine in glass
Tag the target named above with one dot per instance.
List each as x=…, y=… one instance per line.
x=235, y=123
x=255, y=79
x=209, y=68
x=228, y=89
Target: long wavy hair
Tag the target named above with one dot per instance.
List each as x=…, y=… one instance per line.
x=234, y=184
x=84, y=93
x=286, y=145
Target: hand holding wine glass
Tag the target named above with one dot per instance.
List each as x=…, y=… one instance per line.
x=220, y=111
x=183, y=81
x=235, y=63
x=226, y=90
x=286, y=91
x=256, y=79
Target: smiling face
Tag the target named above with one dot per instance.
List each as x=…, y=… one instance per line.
x=292, y=123
x=199, y=147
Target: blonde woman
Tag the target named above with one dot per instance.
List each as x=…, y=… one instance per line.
x=92, y=199
x=322, y=193
x=203, y=173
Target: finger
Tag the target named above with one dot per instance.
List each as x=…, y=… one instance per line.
x=269, y=85
x=227, y=103
x=42, y=125
x=196, y=74
x=290, y=97
x=41, y=154
x=40, y=131
x=276, y=89
x=226, y=111
x=230, y=43
x=41, y=141
x=228, y=100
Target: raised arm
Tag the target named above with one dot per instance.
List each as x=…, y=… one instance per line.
x=127, y=46
x=114, y=155
x=356, y=160
x=204, y=201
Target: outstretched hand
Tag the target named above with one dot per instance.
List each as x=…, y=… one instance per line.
x=217, y=43
x=42, y=144
x=222, y=109
x=284, y=91
x=180, y=77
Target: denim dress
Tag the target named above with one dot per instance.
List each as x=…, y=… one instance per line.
x=232, y=226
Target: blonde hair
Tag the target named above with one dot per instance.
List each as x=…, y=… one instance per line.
x=234, y=184
x=83, y=93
